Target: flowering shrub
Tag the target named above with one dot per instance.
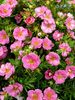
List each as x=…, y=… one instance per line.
x=37, y=49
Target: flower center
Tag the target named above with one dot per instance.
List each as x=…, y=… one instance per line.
x=49, y=95
x=70, y=71
x=59, y=76
x=7, y=70
x=31, y=61
x=35, y=97
x=4, y=36
x=5, y=11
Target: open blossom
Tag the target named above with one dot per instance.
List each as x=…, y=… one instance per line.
x=53, y=59
x=7, y=70
x=48, y=16
x=48, y=27
x=20, y=33
x=49, y=94
x=12, y=3
x=48, y=74
x=35, y=95
x=57, y=36
x=16, y=46
x=65, y=49
x=47, y=44
x=30, y=20
x=14, y=89
x=70, y=71
x=40, y=11
x=3, y=52
x=5, y=10
x=31, y=61
x=60, y=76
x=4, y=39
x=70, y=23
x=36, y=42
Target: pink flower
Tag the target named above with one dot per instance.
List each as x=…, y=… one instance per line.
x=58, y=1
x=40, y=11
x=70, y=23
x=48, y=16
x=14, y=89
x=7, y=70
x=12, y=3
x=65, y=49
x=2, y=95
x=31, y=61
x=48, y=74
x=5, y=10
x=18, y=18
x=30, y=20
x=70, y=71
x=36, y=42
x=49, y=94
x=68, y=61
x=71, y=1
x=57, y=36
x=47, y=44
x=48, y=27
x=53, y=59
x=20, y=33
x=4, y=39
x=35, y=95
x=3, y=52
x=17, y=45
x=72, y=34
x=60, y=76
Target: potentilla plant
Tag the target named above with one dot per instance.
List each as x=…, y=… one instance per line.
x=37, y=50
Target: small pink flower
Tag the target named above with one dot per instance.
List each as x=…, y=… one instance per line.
x=71, y=1
x=17, y=45
x=36, y=42
x=40, y=11
x=2, y=95
x=60, y=76
x=31, y=61
x=53, y=59
x=72, y=34
x=7, y=70
x=70, y=23
x=47, y=44
x=4, y=39
x=14, y=89
x=18, y=18
x=5, y=10
x=48, y=16
x=65, y=49
x=49, y=94
x=48, y=27
x=68, y=61
x=20, y=33
x=35, y=95
x=48, y=74
x=3, y=52
x=70, y=71
x=12, y=3
x=30, y=20
x=57, y=36
x=58, y=1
